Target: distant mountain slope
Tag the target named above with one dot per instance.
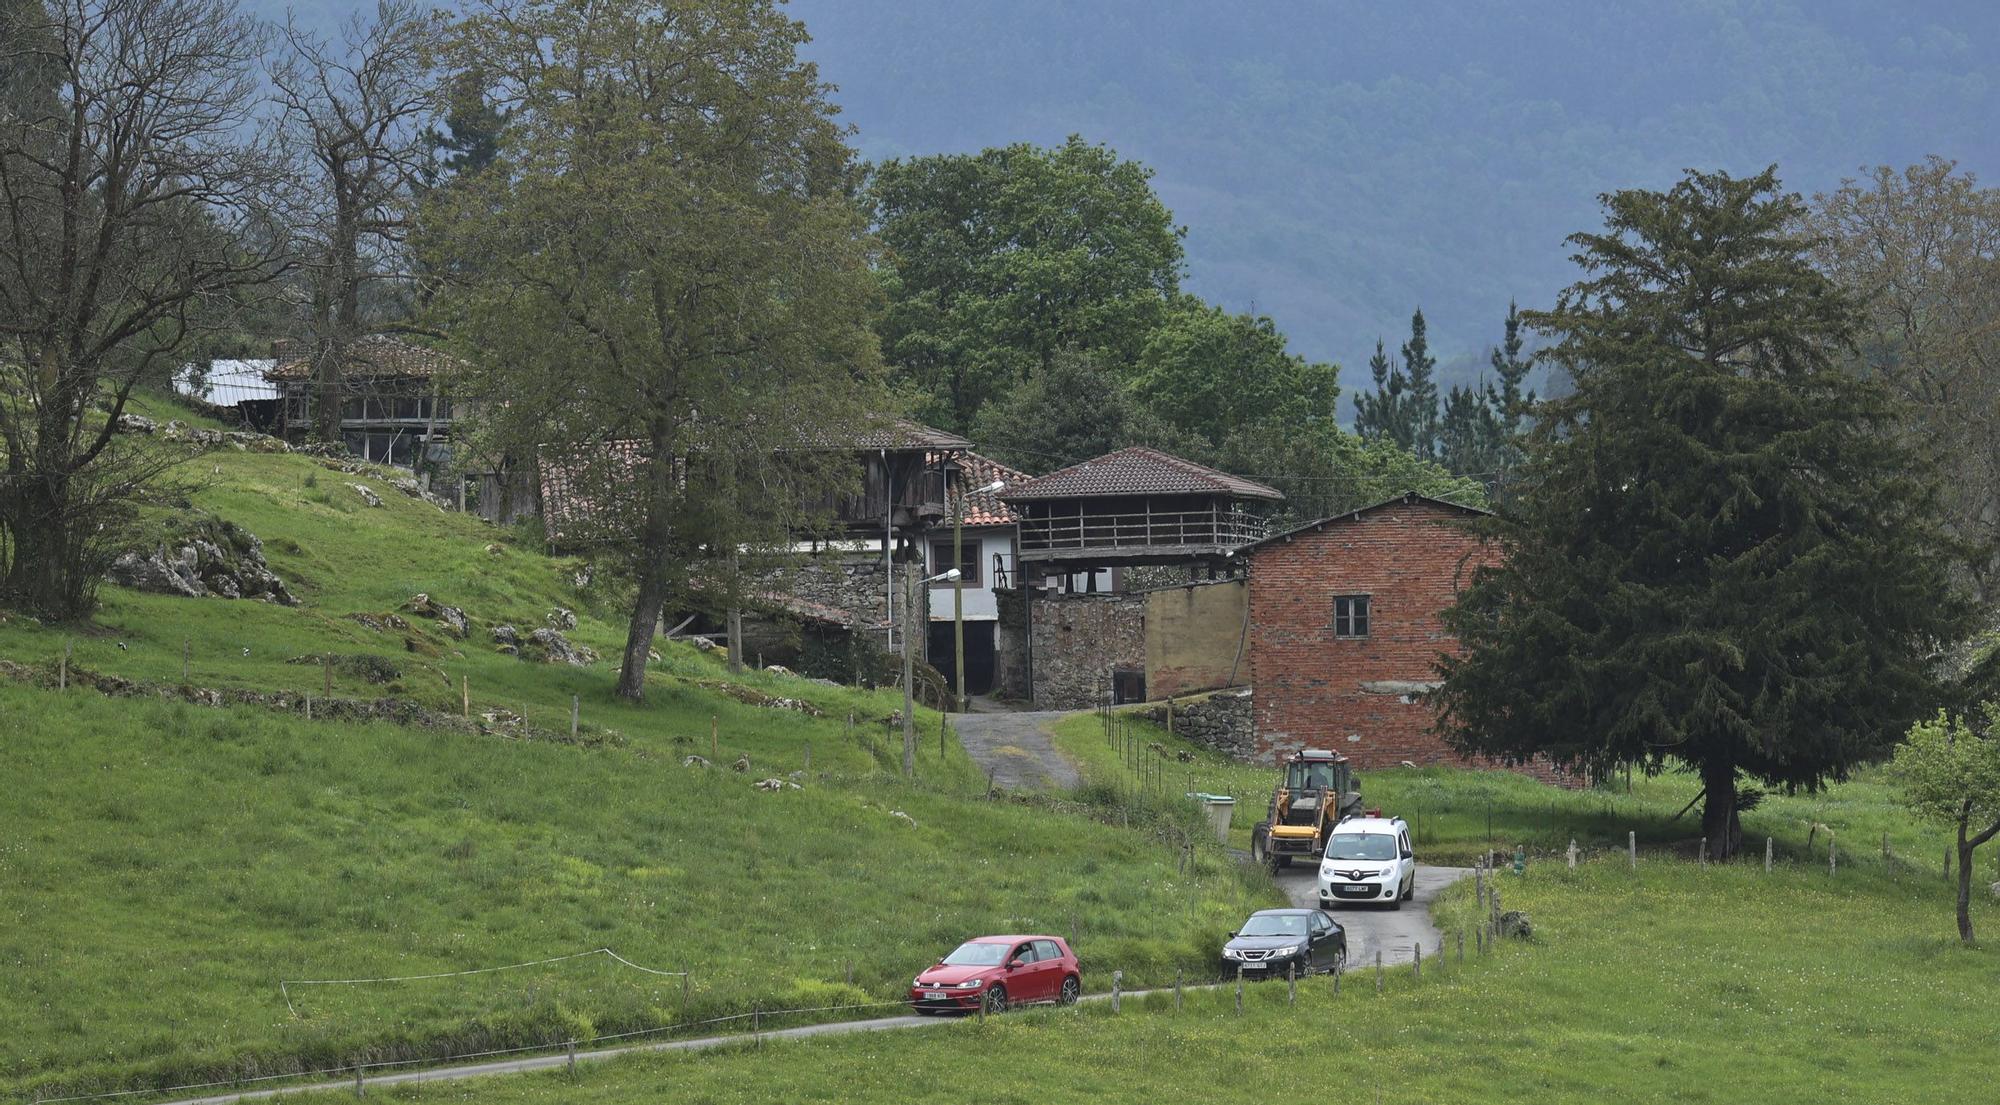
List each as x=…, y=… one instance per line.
x=1340, y=163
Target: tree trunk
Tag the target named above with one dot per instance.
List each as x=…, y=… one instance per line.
x=1719, y=824
x=1965, y=848
x=639, y=632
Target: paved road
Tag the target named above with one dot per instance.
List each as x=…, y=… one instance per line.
x=1015, y=747
x=1372, y=928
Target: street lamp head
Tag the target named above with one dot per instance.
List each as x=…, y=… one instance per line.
x=945, y=576
x=990, y=488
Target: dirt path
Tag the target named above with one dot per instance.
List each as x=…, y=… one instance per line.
x=1015, y=747
x=1373, y=928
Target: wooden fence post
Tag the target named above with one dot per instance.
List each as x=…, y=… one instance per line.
x=359, y=1089
x=1239, y=989
x=1767, y=855
x=1339, y=968
x=187, y=654
x=572, y=1058
x=714, y=757
x=1418, y=948
x=1291, y=984
x=575, y=712
x=1117, y=978
x=1461, y=943
x=809, y=755
x=1632, y=847
x=1832, y=860
x=1378, y=972
x=465, y=696
x=1177, y=990
x=62, y=668
x=1704, y=851
x=687, y=977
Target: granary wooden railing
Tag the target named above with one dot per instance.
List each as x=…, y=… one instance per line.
x=1149, y=528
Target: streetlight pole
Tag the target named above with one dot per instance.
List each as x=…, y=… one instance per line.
x=958, y=588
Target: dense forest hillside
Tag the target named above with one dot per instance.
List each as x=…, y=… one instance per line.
x=1338, y=164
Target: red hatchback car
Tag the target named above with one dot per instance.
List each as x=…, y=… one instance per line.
x=1002, y=971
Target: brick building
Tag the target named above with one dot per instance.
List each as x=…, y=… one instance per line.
x=1345, y=630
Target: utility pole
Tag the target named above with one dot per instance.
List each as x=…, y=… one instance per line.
x=909, y=671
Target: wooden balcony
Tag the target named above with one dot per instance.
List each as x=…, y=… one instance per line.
x=1138, y=536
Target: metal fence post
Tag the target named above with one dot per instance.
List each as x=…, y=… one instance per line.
x=1291, y=984
x=1632, y=847
x=572, y=1058
x=1418, y=960
x=1177, y=990
x=1117, y=978
x=1239, y=989
x=1378, y=972
x=1767, y=855
x=359, y=1089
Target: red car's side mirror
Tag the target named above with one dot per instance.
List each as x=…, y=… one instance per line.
x=1015, y=963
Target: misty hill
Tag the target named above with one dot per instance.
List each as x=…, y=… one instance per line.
x=1338, y=164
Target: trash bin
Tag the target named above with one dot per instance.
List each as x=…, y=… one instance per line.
x=1220, y=808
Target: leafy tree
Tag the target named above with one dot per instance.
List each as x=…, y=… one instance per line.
x=997, y=262
x=1404, y=406
x=353, y=114
x=1717, y=554
x=1071, y=412
x=470, y=140
x=1949, y=772
x=133, y=182
x=668, y=286
x=1212, y=375
x=1919, y=250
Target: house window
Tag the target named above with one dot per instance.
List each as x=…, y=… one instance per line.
x=1350, y=615
x=968, y=563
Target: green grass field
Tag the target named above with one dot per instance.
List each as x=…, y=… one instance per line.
x=1456, y=814
x=163, y=866
x=1672, y=984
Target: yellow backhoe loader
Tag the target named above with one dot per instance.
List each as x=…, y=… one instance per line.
x=1315, y=793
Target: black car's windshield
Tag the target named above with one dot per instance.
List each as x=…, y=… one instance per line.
x=1373, y=846
x=1281, y=924
x=974, y=953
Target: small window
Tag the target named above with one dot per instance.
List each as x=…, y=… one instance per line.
x=1045, y=950
x=1350, y=616
x=968, y=565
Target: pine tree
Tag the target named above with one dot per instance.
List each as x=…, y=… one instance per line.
x=1403, y=409
x=1717, y=555
x=1479, y=431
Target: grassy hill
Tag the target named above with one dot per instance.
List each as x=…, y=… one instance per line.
x=164, y=864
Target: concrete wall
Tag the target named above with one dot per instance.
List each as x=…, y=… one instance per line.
x=1077, y=641
x=1359, y=696
x=1195, y=637
x=983, y=542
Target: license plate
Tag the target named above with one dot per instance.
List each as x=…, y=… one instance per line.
x=1357, y=886
x=1254, y=966
x=936, y=995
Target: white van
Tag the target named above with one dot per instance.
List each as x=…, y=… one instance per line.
x=1368, y=859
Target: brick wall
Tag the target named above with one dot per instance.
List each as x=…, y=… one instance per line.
x=1076, y=641
x=1361, y=696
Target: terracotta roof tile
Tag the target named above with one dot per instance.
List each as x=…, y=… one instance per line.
x=1137, y=471
x=376, y=356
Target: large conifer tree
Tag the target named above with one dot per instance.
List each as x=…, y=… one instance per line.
x=1718, y=555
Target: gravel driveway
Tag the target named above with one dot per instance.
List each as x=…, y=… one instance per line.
x=1373, y=928
x=1015, y=748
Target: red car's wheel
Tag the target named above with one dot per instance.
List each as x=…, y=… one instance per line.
x=996, y=998
x=1070, y=989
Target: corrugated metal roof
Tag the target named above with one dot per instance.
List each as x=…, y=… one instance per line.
x=227, y=383
x=1137, y=471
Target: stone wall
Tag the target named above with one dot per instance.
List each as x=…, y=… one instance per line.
x=1076, y=642
x=1222, y=722
x=1010, y=644
x=1362, y=696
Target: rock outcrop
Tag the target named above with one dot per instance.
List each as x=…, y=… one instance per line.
x=202, y=557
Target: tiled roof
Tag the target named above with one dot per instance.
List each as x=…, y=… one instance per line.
x=1137, y=471
x=582, y=491
x=376, y=356
x=1408, y=498
x=978, y=471
x=885, y=432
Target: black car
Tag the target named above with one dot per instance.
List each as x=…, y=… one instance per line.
x=1272, y=940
